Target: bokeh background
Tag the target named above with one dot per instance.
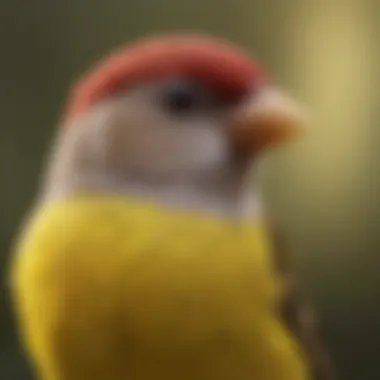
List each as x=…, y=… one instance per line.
x=323, y=189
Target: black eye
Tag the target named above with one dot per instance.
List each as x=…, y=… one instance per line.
x=181, y=97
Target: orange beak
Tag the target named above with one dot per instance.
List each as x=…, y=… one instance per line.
x=267, y=119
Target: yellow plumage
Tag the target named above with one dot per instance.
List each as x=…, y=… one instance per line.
x=113, y=289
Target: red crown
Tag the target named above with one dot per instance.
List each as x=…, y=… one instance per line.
x=214, y=63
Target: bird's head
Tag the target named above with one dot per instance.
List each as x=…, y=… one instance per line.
x=173, y=111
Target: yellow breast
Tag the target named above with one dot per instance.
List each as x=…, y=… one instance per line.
x=111, y=289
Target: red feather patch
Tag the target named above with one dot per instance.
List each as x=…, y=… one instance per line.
x=214, y=63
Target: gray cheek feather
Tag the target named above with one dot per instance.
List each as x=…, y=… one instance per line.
x=84, y=159
x=205, y=148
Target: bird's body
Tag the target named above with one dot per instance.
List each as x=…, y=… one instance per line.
x=148, y=256
x=118, y=289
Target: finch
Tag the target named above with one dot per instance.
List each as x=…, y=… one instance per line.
x=149, y=254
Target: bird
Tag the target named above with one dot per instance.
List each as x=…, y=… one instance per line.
x=148, y=253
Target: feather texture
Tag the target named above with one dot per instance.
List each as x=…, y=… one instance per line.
x=113, y=289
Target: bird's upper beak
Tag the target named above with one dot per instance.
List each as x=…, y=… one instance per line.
x=264, y=120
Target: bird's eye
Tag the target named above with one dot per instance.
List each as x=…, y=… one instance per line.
x=181, y=97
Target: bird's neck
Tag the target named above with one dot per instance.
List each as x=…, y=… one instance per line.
x=229, y=190
x=221, y=195
x=232, y=202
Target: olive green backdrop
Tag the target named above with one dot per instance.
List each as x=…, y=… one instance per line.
x=323, y=189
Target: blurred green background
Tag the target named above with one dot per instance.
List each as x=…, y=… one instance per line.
x=323, y=189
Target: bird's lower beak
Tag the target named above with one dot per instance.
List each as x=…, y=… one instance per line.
x=265, y=120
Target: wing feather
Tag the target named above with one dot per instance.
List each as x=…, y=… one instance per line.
x=297, y=310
